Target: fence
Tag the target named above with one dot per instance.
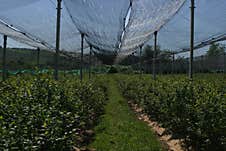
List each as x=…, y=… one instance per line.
x=202, y=64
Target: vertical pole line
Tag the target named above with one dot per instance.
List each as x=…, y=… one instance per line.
x=173, y=60
x=57, y=38
x=202, y=64
x=154, y=55
x=132, y=60
x=38, y=57
x=141, y=60
x=65, y=60
x=192, y=39
x=90, y=54
x=81, y=64
x=4, y=58
x=94, y=63
x=224, y=57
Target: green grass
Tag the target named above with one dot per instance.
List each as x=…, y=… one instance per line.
x=120, y=130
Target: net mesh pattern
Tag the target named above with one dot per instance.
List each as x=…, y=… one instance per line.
x=113, y=25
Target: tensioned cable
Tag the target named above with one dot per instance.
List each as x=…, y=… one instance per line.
x=25, y=34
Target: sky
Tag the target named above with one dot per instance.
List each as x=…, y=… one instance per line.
x=13, y=44
x=170, y=34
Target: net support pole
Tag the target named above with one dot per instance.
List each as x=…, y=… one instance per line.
x=64, y=63
x=141, y=60
x=57, y=38
x=4, y=58
x=154, y=55
x=94, y=63
x=202, y=63
x=192, y=39
x=224, y=55
x=90, y=54
x=173, y=60
x=38, y=57
x=81, y=61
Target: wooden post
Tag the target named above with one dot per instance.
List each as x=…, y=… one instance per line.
x=81, y=63
x=57, y=38
x=192, y=39
x=4, y=58
x=154, y=55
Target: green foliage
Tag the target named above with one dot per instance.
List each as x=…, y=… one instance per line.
x=149, y=52
x=192, y=111
x=42, y=114
x=216, y=49
x=125, y=69
x=106, y=58
x=162, y=55
x=120, y=130
x=22, y=58
x=120, y=69
x=113, y=69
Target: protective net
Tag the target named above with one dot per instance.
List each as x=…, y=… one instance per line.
x=20, y=36
x=103, y=23
x=12, y=4
x=13, y=43
x=38, y=19
x=146, y=17
x=210, y=23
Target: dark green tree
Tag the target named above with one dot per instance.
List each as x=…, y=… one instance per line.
x=216, y=49
x=149, y=52
x=106, y=58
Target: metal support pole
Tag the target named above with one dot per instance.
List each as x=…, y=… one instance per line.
x=4, y=58
x=65, y=60
x=173, y=60
x=141, y=60
x=57, y=38
x=38, y=57
x=154, y=55
x=81, y=64
x=90, y=54
x=94, y=63
x=192, y=39
x=224, y=55
x=202, y=64
x=132, y=61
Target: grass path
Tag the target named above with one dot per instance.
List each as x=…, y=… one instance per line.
x=120, y=130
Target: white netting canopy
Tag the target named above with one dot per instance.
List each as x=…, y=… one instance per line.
x=113, y=25
x=38, y=20
x=100, y=20
x=20, y=36
x=146, y=17
x=210, y=23
x=14, y=44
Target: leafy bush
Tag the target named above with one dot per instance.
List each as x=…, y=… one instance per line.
x=113, y=69
x=192, y=111
x=42, y=114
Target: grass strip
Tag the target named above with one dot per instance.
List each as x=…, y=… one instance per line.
x=120, y=130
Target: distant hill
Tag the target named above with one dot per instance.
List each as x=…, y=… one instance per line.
x=17, y=58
